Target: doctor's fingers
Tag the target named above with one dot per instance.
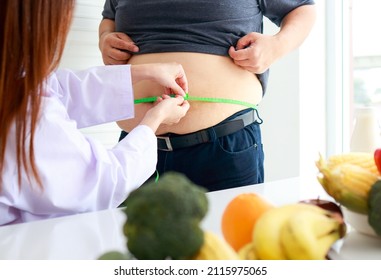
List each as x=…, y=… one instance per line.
x=177, y=101
x=183, y=83
x=178, y=87
x=175, y=81
x=179, y=109
x=173, y=109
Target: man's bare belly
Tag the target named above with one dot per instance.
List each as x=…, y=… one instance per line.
x=208, y=76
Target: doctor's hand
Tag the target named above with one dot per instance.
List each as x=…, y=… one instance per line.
x=169, y=75
x=116, y=48
x=167, y=110
x=255, y=52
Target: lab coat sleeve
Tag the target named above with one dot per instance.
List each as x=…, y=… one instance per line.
x=77, y=172
x=80, y=175
x=96, y=95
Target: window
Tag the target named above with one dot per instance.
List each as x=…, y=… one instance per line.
x=353, y=68
x=366, y=47
x=365, y=50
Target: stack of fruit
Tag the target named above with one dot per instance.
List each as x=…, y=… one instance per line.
x=258, y=230
x=164, y=218
x=353, y=180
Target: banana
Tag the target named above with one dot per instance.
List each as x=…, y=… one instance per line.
x=266, y=234
x=347, y=183
x=247, y=252
x=308, y=235
x=215, y=248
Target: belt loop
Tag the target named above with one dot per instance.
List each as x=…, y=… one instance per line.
x=205, y=136
x=257, y=117
x=212, y=134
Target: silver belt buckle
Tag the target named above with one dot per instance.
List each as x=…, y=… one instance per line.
x=167, y=142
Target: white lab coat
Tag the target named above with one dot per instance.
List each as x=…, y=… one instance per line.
x=78, y=173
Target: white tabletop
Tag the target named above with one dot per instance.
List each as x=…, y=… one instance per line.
x=87, y=236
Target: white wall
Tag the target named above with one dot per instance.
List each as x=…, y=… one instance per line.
x=313, y=97
x=280, y=113
x=82, y=52
x=292, y=110
x=82, y=45
x=294, y=107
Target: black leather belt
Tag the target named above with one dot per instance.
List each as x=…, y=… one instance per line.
x=168, y=143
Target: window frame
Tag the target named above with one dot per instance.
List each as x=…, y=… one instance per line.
x=339, y=76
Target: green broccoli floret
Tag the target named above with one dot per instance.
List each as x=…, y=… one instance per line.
x=163, y=218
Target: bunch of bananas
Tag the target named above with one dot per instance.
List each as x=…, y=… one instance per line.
x=296, y=231
x=348, y=178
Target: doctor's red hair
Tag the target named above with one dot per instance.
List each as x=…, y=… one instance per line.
x=32, y=40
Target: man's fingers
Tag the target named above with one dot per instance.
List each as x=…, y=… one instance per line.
x=239, y=55
x=119, y=55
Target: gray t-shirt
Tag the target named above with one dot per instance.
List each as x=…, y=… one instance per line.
x=204, y=26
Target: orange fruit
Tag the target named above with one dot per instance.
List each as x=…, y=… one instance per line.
x=240, y=216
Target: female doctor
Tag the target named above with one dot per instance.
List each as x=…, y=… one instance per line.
x=48, y=168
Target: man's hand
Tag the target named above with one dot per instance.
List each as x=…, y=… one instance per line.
x=255, y=52
x=116, y=48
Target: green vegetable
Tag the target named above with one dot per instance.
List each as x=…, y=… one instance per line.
x=163, y=218
x=114, y=255
x=374, y=202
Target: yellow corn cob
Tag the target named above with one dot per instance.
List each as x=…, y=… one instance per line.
x=365, y=160
x=347, y=183
x=354, y=177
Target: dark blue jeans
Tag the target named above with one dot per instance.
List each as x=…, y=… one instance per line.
x=230, y=161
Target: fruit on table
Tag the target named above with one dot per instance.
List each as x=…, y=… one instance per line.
x=362, y=159
x=330, y=206
x=247, y=252
x=296, y=231
x=377, y=159
x=115, y=255
x=347, y=183
x=325, y=204
x=374, y=201
x=308, y=235
x=240, y=216
x=215, y=248
x=163, y=218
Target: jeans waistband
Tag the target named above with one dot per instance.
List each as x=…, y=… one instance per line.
x=229, y=126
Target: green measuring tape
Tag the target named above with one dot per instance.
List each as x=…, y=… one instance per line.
x=203, y=99
x=194, y=98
